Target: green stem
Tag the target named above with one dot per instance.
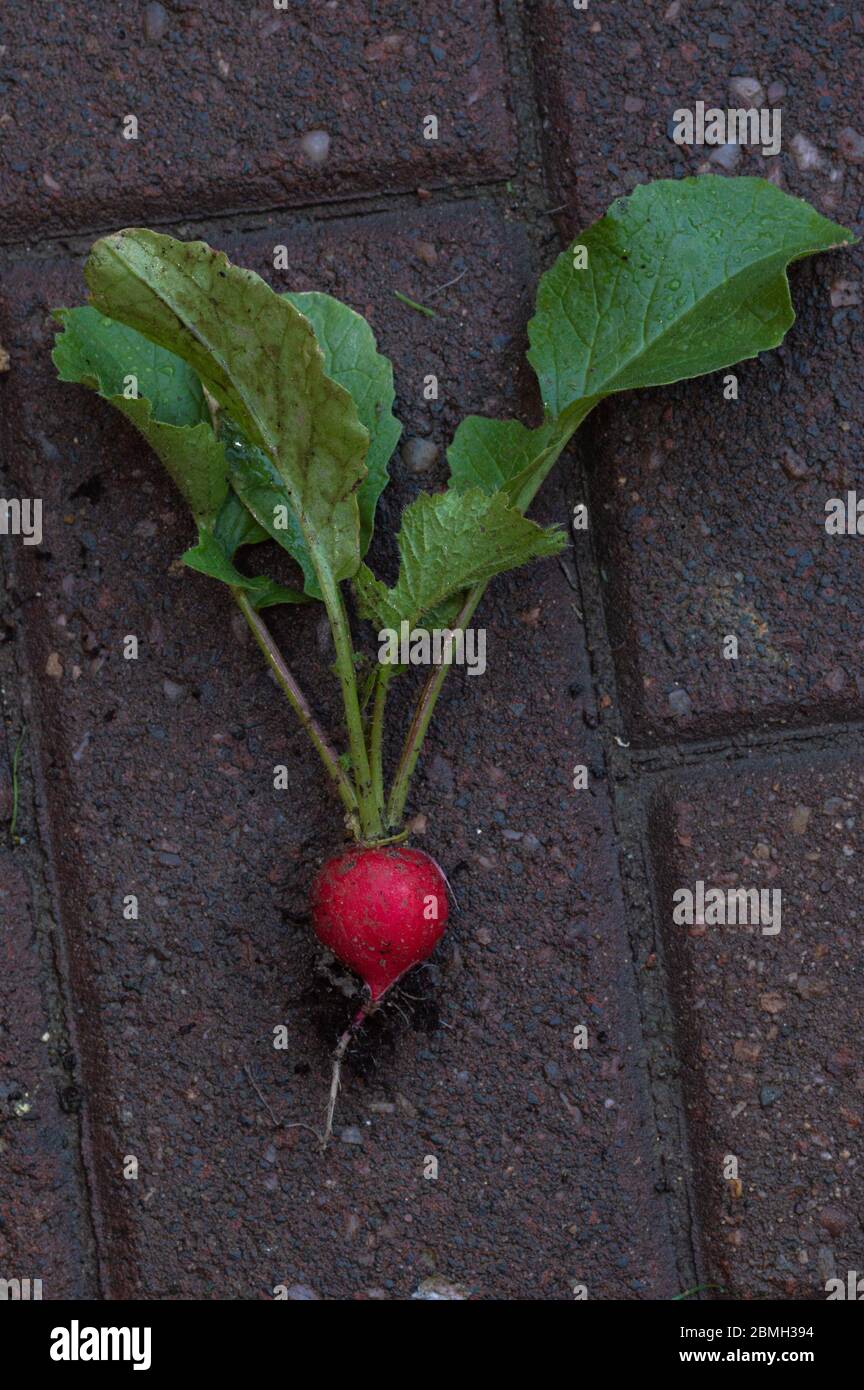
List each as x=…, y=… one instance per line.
x=422, y=715
x=370, y=816
x=522, y=497
x=376, y=739
x=299, y=703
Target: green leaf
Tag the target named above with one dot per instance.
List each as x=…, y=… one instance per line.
x=449, y=541
x=235, y=526
x=171, y=413
x=258, y=356
x=685, y=276
x=256, y=481
x=503, y=456
x=352, y=359
x=216, y=548
x=212, y=556
x=165, y=401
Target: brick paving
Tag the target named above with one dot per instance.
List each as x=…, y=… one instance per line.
x=557, y=1168
x=771, y=1021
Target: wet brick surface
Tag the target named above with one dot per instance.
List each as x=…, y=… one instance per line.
x=711, y=512
x=610, y=80
x=43, y=1217
x=771, y=1023
x=154, y=777
x=546, y=1155
x=225, y=95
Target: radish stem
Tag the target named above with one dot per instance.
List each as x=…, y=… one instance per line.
x=367, y=806
x=298, y=701
x=422, y=715
x=376, y=740
x=522, y=497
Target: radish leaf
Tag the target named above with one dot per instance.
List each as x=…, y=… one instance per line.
x=171, y=412
x=215, y=551
x=256, y=480
x=502, y=456
x=259, y=357
x=449, y=541
x=167, y=403
x=685, y=276
x=352, y=359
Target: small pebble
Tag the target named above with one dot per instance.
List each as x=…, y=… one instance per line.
x=767, y=1096
x=845, y=294
x=805, y=153
x=776, y=92
x=419, y=455
x=772, y=1002
x=437, y=1289
x=351, y=1135
x=793, y=465
x=826, y=1263
x=834, y=1220
x=680, y=702
x=748, y=91
x=172, y=691
x=426, y=253
x=809, y=988
x=800, y=819
x=315, y=146
x=726, y=156
x=850, y=144
x=155, y=22
x=301, y=1293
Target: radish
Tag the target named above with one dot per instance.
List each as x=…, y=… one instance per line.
x=273, y=415
x=380, y=911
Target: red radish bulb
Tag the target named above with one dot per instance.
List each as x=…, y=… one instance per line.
x=380, y=911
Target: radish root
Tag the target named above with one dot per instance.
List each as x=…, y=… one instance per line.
x=341, y=1048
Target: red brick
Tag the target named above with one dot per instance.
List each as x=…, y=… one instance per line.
x=771, y=1024
x=224, y=98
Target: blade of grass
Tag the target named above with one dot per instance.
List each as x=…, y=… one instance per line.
x=412, y=304
x=16, y=758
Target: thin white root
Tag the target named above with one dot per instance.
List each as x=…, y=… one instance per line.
x=335, y=1083
x=336, y=1078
